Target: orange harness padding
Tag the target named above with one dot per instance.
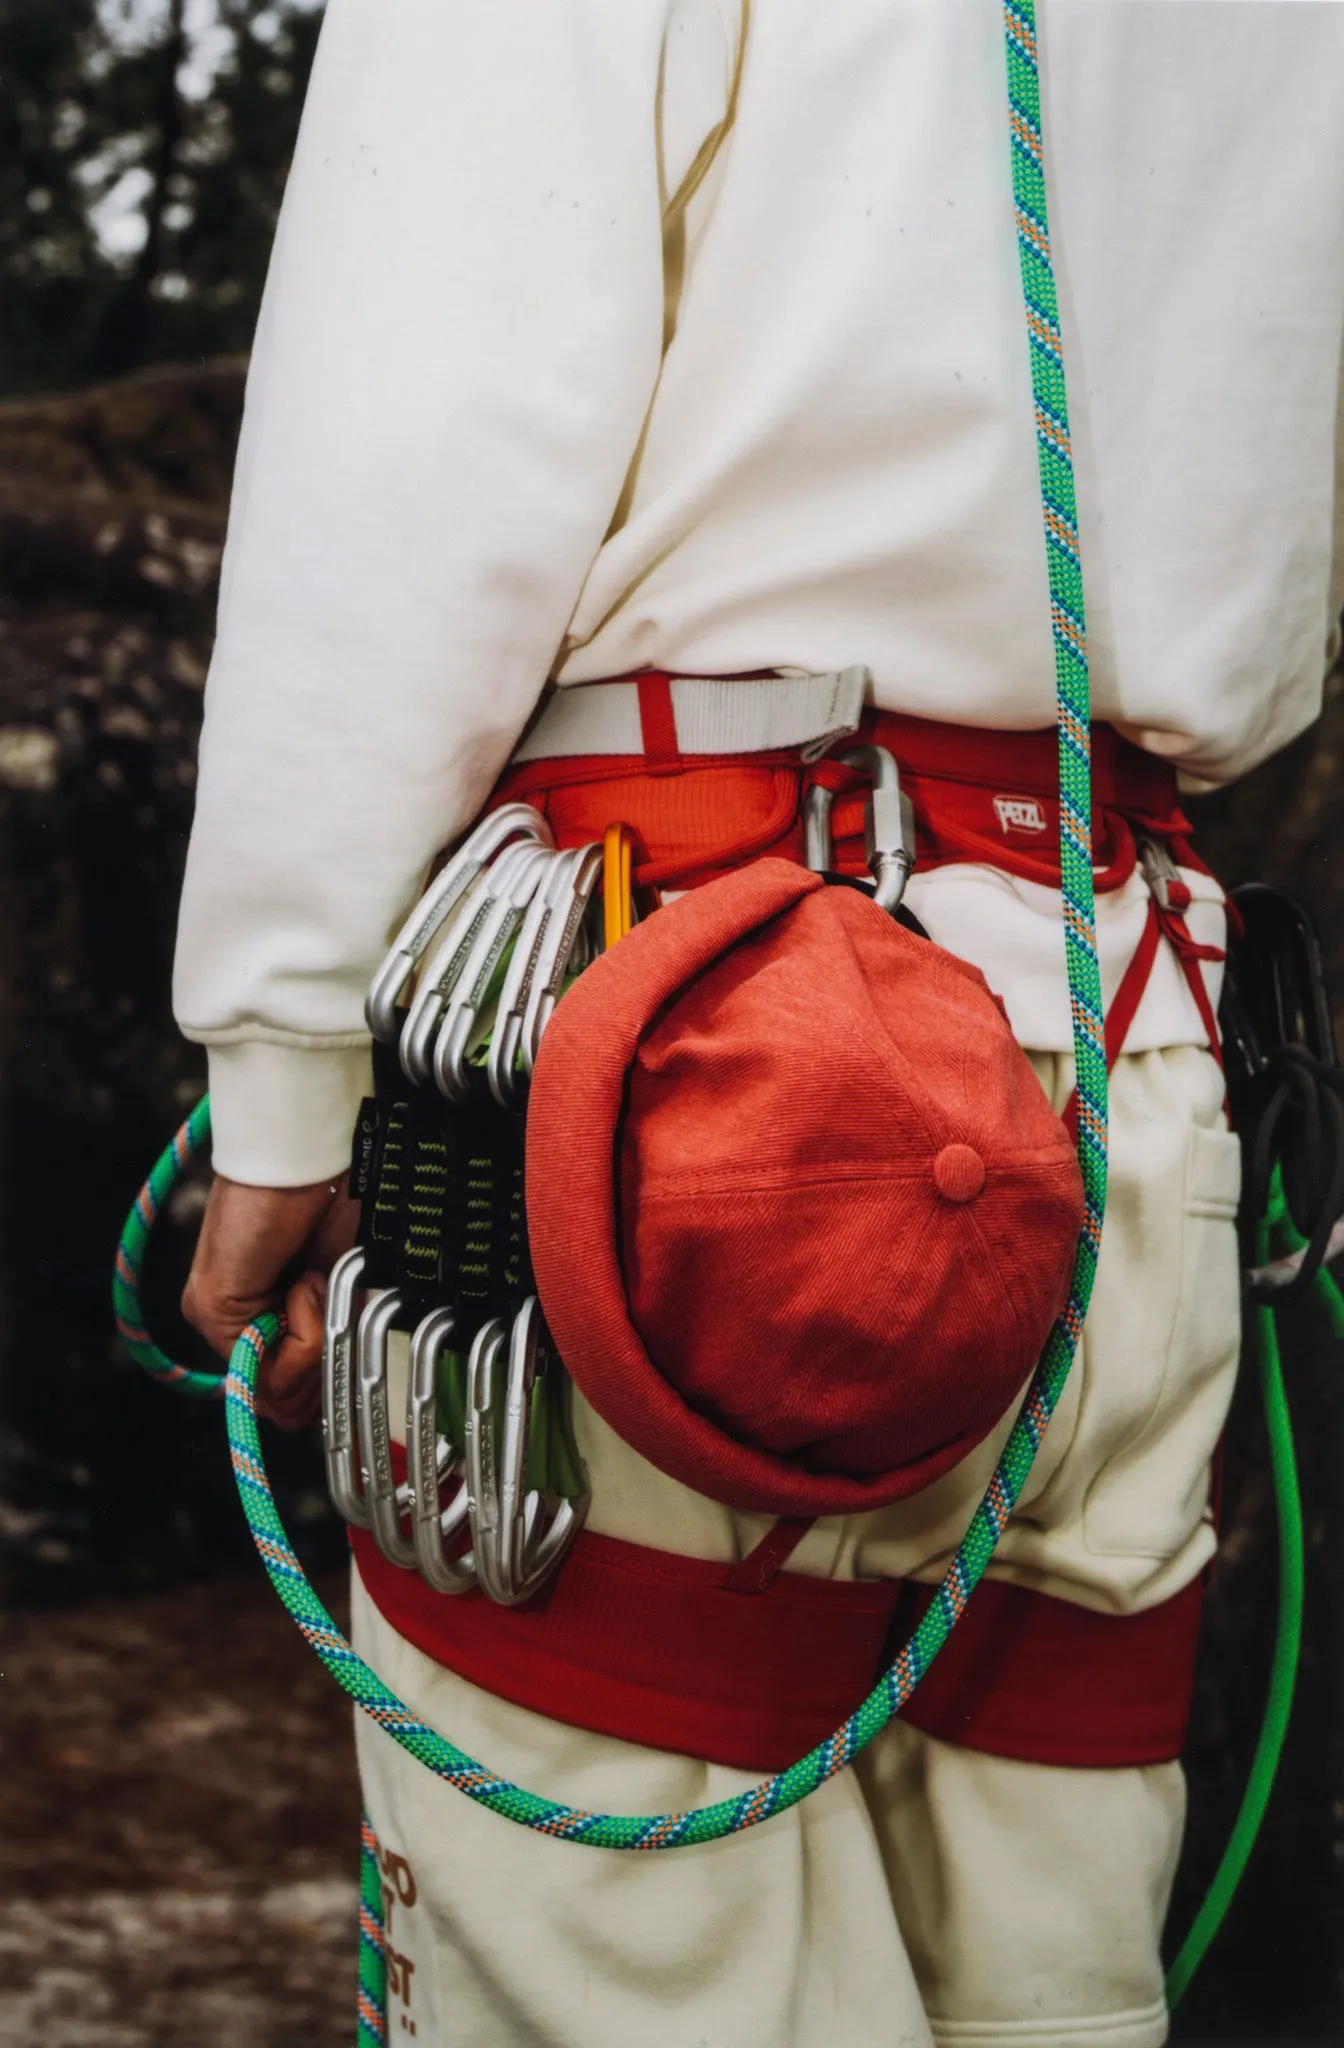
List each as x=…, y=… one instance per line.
x=753, y=1665
x=981, y=796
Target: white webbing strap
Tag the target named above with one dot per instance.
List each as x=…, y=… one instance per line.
x=754, y=716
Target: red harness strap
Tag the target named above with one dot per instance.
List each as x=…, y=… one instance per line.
x=754, y=1665
x=1160, y=923
x=675, y=1653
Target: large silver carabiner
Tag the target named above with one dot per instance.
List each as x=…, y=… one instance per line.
x=468, y=994
x=557, y=953
x=514, y=1548
x=437, y=904
x=430, y=1460
x=387, y=1502
x=888, y=826
x=545, y=922
x=484, y=1361
x=527, y=1553
x=339, y=1397
x=443, y=968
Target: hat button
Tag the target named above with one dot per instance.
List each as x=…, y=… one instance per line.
x=958, y=1173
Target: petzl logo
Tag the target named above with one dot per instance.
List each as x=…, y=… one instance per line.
x=1020, y=814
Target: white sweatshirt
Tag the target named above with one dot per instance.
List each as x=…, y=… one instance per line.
x=689, y=334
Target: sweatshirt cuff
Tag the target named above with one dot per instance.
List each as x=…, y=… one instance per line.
x=284, y=1115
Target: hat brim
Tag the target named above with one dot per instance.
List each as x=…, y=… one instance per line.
x=573, y=1126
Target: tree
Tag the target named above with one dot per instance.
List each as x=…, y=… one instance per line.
x=52, y=276
x=144, y=146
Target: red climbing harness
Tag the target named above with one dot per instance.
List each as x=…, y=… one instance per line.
x=750, y=1665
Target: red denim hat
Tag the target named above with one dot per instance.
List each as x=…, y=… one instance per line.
x=800, y=1214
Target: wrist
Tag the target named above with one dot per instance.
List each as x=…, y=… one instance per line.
x=283, y=1115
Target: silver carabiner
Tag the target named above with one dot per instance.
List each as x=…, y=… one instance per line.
x=524, y=1561
x=443, y=968
x=430, y=1460
x=469, y=992
x=437, y=904
x=1158, y=869
x=483, y=1365
x=888, y=826
x=507, y=1081
x=339, y=1398
x=557, y=953
x=387, y=1501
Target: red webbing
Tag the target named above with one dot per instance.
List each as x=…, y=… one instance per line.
x=662, y=1650
x=1125, y=1005
x=1046, y=1681
x=988, y=797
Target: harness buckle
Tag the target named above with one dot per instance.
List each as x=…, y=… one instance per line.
x=888, y=826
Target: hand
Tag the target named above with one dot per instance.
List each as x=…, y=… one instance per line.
x=250, y=1239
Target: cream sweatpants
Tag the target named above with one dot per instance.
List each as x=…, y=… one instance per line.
x=931, y=1892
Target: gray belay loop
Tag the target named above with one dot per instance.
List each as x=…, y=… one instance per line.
x=443, y=1257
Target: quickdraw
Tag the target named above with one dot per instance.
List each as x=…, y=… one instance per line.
x=495, y=1493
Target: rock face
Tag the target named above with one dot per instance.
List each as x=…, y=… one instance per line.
x=112, y=510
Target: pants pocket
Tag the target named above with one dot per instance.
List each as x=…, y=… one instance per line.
x=1170, y=1397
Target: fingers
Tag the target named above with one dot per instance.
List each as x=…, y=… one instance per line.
x=289, y=1383
x=248, y=1237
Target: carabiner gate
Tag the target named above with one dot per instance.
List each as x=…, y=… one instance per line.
x=340, y=1400
x=444, y=967
x=387, y=1501
x=431, y=1460
x=888, y=826
x=556, y=954
x=469, y=992
x=437, y=905
x=526, y=1553
x=544, y=923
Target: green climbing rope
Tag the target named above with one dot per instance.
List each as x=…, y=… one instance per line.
x=1288, y=1626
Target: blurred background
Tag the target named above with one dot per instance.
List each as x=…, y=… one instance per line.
x=178, y=1811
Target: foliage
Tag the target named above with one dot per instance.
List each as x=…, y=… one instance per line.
x=143, y=152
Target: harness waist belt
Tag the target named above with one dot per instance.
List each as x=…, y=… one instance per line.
x=712, y=771
x=699, y=715
x=668, y=1652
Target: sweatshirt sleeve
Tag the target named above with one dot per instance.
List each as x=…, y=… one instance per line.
x=459, y=339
